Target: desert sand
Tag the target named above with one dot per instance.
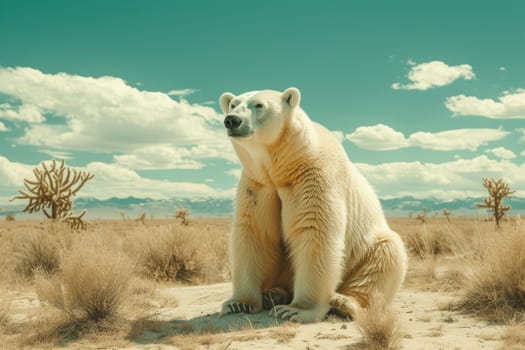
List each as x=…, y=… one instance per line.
x=196, y=324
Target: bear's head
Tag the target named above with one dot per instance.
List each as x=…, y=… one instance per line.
x=260, y=116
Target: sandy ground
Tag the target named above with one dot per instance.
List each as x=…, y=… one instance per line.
x=195, y=323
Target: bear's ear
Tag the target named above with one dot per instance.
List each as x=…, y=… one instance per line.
x=225, y=100
x=292, y=97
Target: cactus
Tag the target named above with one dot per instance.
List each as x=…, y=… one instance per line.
x=498, y=190
x=52, y=192
x=182, y=213
x=447, y=213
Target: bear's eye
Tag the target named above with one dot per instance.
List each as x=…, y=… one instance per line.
x=258, y=105
x=232, y=106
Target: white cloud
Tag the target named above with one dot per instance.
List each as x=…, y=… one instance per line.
x=3, y=127
x=510, y=105
x=522, y=153
x=459, y=178
x=158, y=157
x=116, y=181
x=182, y=92
x=106, y=114
x=236, y=173
x=12, y=174
x=378, y=137
x=26, y=113
x=434, y=74
x=111, y=180
x=382, y=137
x=501, y=152
x=459, y=139
x=502, y=69
x=522, y=132
x=58, y=155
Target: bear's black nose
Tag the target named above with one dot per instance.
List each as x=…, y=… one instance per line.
x=232, y=122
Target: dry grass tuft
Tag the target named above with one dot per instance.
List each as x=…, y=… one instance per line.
x=433, y=239
x=170, y=254
x=379, y=326
x=36, y=251
x=91, y=286
x=497, y=290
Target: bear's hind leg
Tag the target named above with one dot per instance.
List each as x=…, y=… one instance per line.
x=380, y=272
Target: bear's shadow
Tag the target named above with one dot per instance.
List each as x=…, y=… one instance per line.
x=144, y=331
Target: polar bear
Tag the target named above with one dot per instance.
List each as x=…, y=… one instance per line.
x=309, y=235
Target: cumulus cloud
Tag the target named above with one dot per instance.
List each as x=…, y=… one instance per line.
x=459, y=178
x=59, y=155
x=521, y=131
x=502, y=152
x=378, y=137
x=236, y=173
x=111, y=180
x=382, y=137
x=3, y=127
x=434, y=74
x=182, y=92
x=510, y=105
x=106, y=114
x=158, y=157
x=25, y=113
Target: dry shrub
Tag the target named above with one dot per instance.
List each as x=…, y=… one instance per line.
x=36, y=251
x=379, y=326
x=170, y=254
x=433, y=239
x=91, y=286
x=497, y=289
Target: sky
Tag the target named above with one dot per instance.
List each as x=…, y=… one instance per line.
x=426, y=97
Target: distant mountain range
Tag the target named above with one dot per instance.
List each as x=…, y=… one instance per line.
x=213, y=207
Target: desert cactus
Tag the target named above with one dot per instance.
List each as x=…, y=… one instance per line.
x=182, y=213
x=498, y=190
x=53, y=190
x=447, y=213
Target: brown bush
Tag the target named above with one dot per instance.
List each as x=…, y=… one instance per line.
x=379, y=326
x=497, y=288
x=170, y=254
x=433, y=239
x=92, y=284
x=36, y=251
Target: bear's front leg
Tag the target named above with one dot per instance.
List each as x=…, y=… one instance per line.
x=256, y=249
x=314, y=232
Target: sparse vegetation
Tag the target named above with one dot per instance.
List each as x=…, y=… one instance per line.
x=52, y=192
x=498, y=190
x=182, y=214
x=36, y=251
x=379, y=327
x=171, y=255
x=497, y=289
x=447, y=213
x=9, y=217
x=454, y=258
x=91, y=285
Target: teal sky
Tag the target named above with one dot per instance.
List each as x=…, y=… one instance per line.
x=428, y=97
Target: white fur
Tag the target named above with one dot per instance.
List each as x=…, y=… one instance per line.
x=306, y=220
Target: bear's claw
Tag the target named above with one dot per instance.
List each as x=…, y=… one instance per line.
x=237, y=308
